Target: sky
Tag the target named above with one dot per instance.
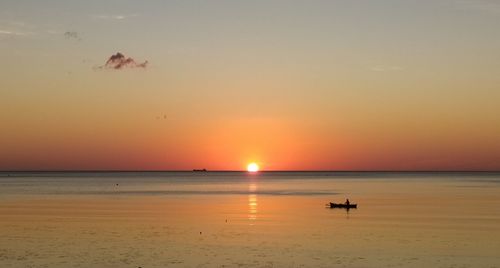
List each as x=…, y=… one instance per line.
x=290, y=85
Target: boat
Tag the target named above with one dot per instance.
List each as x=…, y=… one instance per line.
x=199, y=170
x=340, y=205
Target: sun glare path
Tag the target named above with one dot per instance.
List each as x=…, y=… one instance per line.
x=252, y=167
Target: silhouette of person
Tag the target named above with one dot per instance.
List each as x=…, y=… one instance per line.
x=347, y=201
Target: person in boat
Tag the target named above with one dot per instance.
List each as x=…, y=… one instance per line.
x=347, y=202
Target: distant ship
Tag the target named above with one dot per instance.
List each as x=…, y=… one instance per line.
x=200, y=170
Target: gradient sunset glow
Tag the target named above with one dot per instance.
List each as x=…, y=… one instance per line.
x=295, y=85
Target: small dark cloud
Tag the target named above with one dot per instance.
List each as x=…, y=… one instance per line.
x=119, y=61
x=71, y=35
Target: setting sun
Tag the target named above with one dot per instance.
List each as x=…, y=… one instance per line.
x=253, y=167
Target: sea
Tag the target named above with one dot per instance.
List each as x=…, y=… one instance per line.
x=241, y=219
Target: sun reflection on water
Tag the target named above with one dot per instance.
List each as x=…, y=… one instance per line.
x=252, y=202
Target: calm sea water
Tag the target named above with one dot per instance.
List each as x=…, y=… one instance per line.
x=237, y=219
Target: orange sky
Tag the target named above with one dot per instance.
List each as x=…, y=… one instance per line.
x=331, y=85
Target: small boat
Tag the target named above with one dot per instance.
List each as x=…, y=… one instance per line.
x=199, y=170
x=339, y=205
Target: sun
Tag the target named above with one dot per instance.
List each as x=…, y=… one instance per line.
x=252, y=167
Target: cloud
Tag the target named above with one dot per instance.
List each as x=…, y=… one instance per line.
x=27, y=30
x=119, y=61
x=14, y=33
x=72, y=35
x=114, y=16
x=17, y=28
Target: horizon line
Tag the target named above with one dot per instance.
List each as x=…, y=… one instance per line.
x=241, y=170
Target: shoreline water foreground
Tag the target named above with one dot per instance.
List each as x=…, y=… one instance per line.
x=270, y=220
